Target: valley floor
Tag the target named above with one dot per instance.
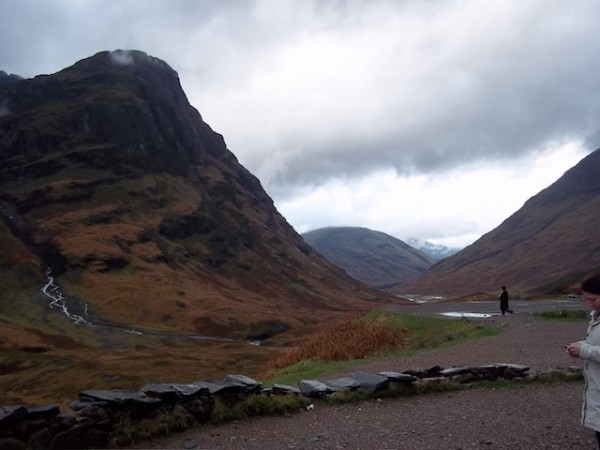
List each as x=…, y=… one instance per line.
x=531, y=416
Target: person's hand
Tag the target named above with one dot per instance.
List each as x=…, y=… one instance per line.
x=574, y=350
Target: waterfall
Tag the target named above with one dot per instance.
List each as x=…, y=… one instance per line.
x=58, y=300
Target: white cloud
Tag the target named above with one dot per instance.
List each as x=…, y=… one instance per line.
x=453, y=208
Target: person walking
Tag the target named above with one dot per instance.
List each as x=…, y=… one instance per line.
x=504, y=301
x=589, y=351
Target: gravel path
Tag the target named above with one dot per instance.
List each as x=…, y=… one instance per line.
x=530, y=416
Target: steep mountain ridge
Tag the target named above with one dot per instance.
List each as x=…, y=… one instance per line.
x=371, y=256
x=547, y=245
x=112, y=179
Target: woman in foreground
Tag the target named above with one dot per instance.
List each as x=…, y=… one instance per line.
x=589, y=352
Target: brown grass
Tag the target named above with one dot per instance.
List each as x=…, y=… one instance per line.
x=58, y=375
x=345, y=340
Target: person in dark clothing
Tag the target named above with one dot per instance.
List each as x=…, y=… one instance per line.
x=504, y=301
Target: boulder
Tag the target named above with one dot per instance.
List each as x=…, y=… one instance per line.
x=313, y=388
x=119, y=397
x=370, y=382
x=453, y=371
x=284, y=389
x=345, y=383
x=250, y=385
x=172, y=392
x=398, y=377
x=12, y=414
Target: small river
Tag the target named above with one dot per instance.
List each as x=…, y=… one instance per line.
x=78, y=314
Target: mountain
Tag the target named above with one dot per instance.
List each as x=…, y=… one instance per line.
x=371, y=256
x=434, y=251
x=545, y=247
x=110, y=179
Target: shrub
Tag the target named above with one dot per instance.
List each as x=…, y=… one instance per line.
x=166, y=420
x=257, y=405
x=346, y=340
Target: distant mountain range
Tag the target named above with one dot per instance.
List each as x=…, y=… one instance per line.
x=547, y=246
x=435, y=251
x=370, y=256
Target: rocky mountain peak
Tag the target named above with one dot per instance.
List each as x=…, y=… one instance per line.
x=152, y=72
x=127, y=105
x=112, y=179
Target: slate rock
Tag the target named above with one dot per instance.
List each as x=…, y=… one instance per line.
x=345, y=383
x=78, y=405
x=173, y=391
x=249, y=384
x=284, y=389
x=66, y=420
x=425, y=373
x=370, y=382
x=69, y=438
x=42, y=412
x=119, y=396
x=217, y=387
x=398, y=377
x=452, y=371
x=518, y=368
x=39, y=439
x=12, y=414
x=313, y=388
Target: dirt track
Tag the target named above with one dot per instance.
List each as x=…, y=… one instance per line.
x=528, y=417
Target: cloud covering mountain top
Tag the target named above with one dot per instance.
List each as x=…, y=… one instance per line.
x=378, y=101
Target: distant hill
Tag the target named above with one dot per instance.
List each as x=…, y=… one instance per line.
x=435, y=251
x=545, y=247
x=371, y=256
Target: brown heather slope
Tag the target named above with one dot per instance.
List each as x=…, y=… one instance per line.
x=111, y=178
x=547, y=246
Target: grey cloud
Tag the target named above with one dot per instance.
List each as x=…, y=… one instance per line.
x=491, y=102
x=419, y=86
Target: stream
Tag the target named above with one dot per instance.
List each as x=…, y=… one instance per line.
x=59, y=301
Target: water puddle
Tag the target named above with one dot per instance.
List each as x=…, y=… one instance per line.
x=466, y=315
x=422, y=298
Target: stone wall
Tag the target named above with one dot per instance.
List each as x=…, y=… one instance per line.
x=97, y=413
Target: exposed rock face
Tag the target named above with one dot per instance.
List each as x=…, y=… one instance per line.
x=110, y=177
x=546, y=246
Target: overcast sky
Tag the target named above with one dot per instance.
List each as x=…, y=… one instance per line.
x=431, y=119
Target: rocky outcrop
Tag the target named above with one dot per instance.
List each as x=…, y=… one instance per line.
x=96, y=414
